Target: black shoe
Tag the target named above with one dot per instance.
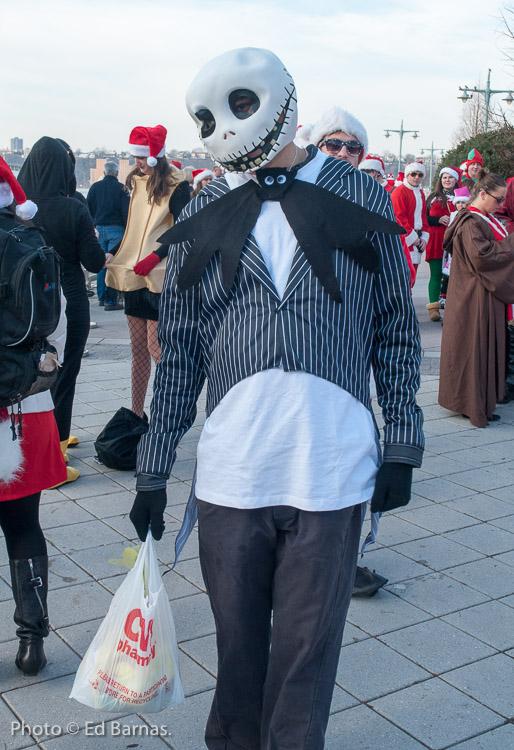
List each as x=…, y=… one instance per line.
x=367, y=583
x=493, y=418
x=90, y=293
x=101, y=302
x=30, y=586
x=509, y=396
x=112, y=307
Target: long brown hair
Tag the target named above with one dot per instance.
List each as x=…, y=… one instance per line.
x=439, y=193
x=486, y=181
x=162, y=179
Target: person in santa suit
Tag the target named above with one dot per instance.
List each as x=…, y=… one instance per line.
x=31, y=460
x=439, y=208
x=285, y=284
x=411, y=213
x=471, y=168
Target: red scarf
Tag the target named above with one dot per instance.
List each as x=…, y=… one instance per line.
x=500, y=233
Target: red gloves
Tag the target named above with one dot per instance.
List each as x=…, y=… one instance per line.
x=144, y=266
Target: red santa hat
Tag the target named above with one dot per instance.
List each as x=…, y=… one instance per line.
x=176, y=164
x=333, y=120
x=373, y=162
x=149, y=142
x=11, y=190
x=452, y=171
x=415, y=166
x=199, y=175
x=399, y=180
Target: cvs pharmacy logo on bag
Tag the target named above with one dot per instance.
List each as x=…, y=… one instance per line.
x=138, y=633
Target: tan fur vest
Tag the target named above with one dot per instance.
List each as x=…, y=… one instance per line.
x=146, y=222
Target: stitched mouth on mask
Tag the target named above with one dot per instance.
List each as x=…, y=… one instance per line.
x=260, y=151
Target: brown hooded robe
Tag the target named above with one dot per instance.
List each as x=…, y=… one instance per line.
x=473, y=346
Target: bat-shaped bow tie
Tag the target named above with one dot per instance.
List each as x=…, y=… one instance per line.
x=321, y=222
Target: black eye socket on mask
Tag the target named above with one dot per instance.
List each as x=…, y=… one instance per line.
x=208, y=122
x=243, y=103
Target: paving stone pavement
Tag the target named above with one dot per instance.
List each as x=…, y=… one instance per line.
x=427, y=663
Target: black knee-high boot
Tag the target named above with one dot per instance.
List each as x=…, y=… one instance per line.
x=30, y=587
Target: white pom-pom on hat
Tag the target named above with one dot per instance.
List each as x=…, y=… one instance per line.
x=149, y=142
x=11, y=190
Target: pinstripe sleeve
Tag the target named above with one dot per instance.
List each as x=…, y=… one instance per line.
x=396, y=350
x=178, y=380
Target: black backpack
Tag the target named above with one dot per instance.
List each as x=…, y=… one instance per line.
x=30, y=287
x=30, y=306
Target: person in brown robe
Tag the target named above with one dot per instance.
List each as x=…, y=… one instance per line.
x=473, y=346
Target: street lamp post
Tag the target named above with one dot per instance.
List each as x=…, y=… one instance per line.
x=467, y=94
x=401, y=133
x=431, y=150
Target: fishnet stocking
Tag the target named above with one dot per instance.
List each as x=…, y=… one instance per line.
x=145, y=347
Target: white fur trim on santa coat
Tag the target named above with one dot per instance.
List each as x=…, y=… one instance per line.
x=418, y=216
x=11, y=458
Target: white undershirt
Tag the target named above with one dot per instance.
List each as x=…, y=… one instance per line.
x=286, y=438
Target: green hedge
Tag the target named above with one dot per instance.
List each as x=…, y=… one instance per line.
x=496, y=147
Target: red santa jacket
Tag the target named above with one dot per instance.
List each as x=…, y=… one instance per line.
x=411, y=212
x=435, y=243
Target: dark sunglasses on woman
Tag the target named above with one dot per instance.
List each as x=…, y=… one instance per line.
x=334, y=146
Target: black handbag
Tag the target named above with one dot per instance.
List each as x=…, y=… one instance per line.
x=116, y=445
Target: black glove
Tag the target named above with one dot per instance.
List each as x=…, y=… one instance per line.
x=148, y=510
x=392, y=487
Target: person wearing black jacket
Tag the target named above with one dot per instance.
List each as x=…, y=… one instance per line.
x=67, y=226
x=108, y=202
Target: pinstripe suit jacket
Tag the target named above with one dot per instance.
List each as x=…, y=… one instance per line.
x=225, y=337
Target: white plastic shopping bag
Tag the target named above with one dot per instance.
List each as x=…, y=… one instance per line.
x=132, y=662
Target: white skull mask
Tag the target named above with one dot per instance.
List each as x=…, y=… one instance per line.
x=244, y=103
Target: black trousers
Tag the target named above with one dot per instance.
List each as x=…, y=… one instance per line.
x=279, y=581
x=63, y=392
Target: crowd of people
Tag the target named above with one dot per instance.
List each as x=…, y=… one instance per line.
x=282, y=278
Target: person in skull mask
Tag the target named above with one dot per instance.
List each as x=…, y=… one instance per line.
x=282, y=288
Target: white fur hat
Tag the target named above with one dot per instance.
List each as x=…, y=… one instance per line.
x=336, y=119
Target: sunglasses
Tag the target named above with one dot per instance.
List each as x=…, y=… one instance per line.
x=499, y=201
x=416, y=174
x=334, y=146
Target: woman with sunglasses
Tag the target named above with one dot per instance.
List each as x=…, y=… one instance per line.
x=439, y=208
x=473, y=346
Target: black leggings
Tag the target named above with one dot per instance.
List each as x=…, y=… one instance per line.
x=19, y=521
x=63, y=392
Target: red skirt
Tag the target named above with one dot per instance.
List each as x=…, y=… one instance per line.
x=43, y=462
